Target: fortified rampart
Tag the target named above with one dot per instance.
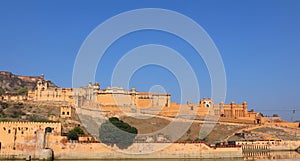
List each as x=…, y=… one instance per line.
x=24, y=139
x=113, y=99
x=32, y=79
x=285, y=145
x=21, y=139
x=15, y=135
x=93, y=96
x=13, y=98
x=141, y=150
x=270, y=155
x=8, y=74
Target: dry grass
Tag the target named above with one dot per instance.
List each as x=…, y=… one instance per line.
x=12, y=111
x=280, y=133
x=146, y=126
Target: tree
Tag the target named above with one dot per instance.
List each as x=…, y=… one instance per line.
x=22, y=91
x=275, y=115
x=74, y=133
x=117, y=132
x=78, y=130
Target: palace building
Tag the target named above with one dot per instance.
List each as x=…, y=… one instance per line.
x=112, y=98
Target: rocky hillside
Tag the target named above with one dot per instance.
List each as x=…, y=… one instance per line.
x=11, y=83
x=34, y=112
x=154, y=124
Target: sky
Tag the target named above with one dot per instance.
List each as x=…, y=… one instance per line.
x=259, y=43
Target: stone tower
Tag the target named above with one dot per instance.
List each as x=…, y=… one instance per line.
x=206, y=103
x=42, y=85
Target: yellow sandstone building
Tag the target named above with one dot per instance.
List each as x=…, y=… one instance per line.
x=32, y=138
x=114, y=98
x=92, y=93
x=26, y=136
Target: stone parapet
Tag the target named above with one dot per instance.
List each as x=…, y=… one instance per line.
x=141, y=150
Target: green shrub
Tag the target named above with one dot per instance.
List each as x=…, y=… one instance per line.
x=22, y=91
x=117, y=132
x=74, y=133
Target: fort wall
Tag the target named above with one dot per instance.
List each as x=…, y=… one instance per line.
x=93, y=95
x=285, y=145
x=21, y=139
x=293, y=125
x=32, y=79
x=141, y=150
x=13, y=98
x=112, y=99
x=15, y=135
x=30, y=138
x=9, y=74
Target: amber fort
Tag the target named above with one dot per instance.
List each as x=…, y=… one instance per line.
x=43, y=139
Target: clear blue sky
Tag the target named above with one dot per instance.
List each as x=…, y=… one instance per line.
x=259, y=42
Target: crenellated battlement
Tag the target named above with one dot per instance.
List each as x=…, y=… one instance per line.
x=30, y=123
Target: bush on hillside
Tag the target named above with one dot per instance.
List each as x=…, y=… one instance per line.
x=74, y=133
x=22, y=91
x=116, y=132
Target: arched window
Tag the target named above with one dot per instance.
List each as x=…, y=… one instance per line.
x=48, y=130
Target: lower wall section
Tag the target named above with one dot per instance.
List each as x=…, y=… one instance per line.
x=286, y=145
x=65, y=150
x=143, y=150
x=44, y=154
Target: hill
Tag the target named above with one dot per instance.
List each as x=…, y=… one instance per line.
x=151, y=125
x=11, y=83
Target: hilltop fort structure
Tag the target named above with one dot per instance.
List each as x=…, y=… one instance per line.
x=36, y=140
x=32, y=79
x=104, y=97
x=40, y=139
x=112, y=98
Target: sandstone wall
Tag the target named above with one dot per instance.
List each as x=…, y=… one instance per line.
x=139, y=150
x=285, y=145
x=25, y=136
